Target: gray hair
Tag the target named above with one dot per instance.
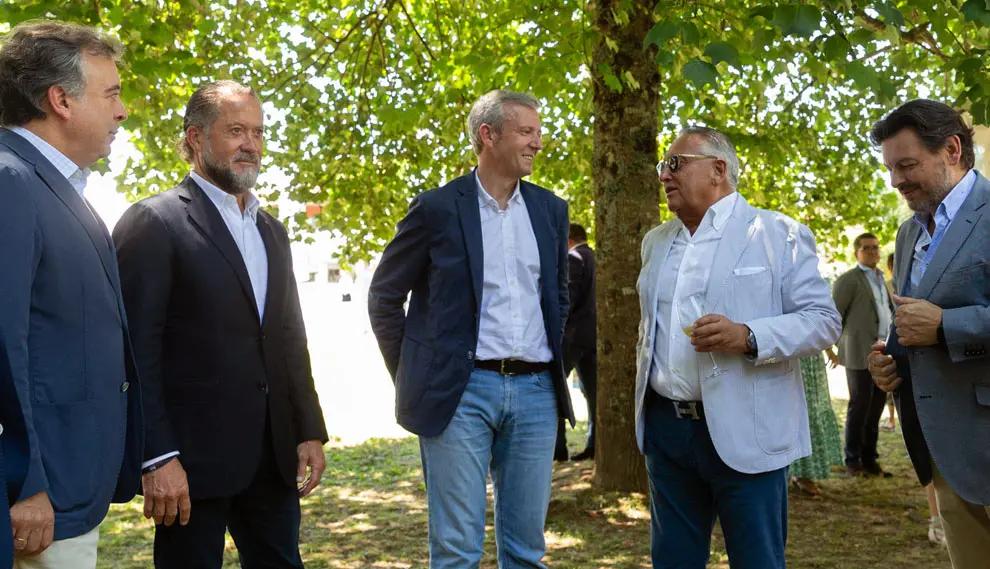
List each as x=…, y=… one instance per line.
x=204, y=107
x=490, y=109
x=36, y=56
x=717, y=144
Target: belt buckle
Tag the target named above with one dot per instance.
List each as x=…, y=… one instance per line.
x=502, y=368
x=689, y=411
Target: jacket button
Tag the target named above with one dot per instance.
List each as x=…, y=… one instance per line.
x=125, y=386
x=262, y=386
x=1, y=428
x=470, y=355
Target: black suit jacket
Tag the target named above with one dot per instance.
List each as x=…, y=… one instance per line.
x=580, y=328
x=212, y=369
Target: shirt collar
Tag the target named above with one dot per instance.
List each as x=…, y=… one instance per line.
x=222, y=199
x=869, y=271
x=484, y=198
x=951, y=203
x=62, y=163
x=722, y=210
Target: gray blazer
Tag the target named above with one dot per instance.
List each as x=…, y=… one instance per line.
x=951, y=382
x=854, y=300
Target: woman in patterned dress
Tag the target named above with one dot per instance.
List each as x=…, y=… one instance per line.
x=826, y=442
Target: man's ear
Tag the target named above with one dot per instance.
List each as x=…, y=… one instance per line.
x=57, y=101
x=953, y=148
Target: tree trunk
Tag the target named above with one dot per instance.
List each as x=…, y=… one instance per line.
x=627, y=194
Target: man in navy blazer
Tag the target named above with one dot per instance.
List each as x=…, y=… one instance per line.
x=61, y=310
x=13, y=454
x=477, y=359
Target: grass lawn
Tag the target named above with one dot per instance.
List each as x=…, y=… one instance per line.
x=370, y=512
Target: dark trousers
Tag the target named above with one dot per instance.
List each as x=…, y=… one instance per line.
x=263, y=520
x=585, y=361
x=690, y=486
x=866, y=403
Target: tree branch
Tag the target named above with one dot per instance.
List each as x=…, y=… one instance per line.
x=426, y=46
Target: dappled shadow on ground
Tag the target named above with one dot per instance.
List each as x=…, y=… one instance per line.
x=370, y=513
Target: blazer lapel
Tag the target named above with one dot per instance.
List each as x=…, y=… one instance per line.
x=657, y=260
x=539, y=217
x=276, y=266
x=970, y=211
x=905, y=257
x=736, y=235
x=864, y=283
x=206, y=217
x=468, y=210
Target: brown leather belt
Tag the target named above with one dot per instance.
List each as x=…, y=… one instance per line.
x=512, y=367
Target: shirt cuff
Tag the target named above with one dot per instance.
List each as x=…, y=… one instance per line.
x=148, y=463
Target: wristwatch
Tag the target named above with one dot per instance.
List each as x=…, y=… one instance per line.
x=751, y=349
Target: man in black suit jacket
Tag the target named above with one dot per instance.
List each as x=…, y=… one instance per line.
x=580, y=332
x=233, y=419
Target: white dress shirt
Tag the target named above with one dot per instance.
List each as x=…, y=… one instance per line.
x=881, y=299
x=243, y=227
x=73, y=173
x=511, y=323
x=676, y=370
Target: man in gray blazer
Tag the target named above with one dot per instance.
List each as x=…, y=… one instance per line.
x=864, y=303
x=939, y=343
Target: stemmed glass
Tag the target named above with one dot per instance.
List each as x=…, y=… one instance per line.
x=689, y=310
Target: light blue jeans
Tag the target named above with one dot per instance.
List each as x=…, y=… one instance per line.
x=505, y=425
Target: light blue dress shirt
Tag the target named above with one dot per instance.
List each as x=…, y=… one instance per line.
x=927, y=243
x=73, y=173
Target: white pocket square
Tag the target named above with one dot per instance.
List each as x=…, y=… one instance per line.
x=746, y=271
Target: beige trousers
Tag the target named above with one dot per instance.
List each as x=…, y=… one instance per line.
x=73, y=553
x=967, y=526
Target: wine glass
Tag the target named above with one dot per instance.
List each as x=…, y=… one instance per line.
x=689, y=310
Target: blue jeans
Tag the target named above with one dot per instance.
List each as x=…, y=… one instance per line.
x=690, y=486
x=505, y=425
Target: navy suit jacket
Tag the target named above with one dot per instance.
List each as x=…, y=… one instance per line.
x=437, y=255
x=65, y=334
x=13, y=454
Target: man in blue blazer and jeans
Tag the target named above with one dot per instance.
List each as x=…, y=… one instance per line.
x=61, y=310
x=476, y=360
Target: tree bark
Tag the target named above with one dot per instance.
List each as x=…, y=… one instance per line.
x=627, y=194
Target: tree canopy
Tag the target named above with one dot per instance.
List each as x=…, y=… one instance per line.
x=367, y=99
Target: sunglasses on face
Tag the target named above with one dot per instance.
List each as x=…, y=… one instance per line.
x=675, y=161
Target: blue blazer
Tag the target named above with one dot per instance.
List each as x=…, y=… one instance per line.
x=13, y=454
x=437, y=255
x=66, y=336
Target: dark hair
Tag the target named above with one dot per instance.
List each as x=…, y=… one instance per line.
x=36, y=56
x=859, y=240
x=204, y=107
x=577, y=233
x=932, y=121
x=890, y=260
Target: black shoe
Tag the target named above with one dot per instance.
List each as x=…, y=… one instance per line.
x=586, y=454
x=874, y=471
x=560, y=456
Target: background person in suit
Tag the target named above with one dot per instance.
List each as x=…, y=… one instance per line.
x=477, y=360
x=13, y=454
x=61, y=312
x=720, y=428
x=937, y=352
x=864, y=303
x=234, y=421
x=580, y=332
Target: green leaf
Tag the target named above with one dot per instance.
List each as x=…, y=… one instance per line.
x=862, y=37
x=720, y=51
x=797, y=20
x=835, y=48
x=661, y=32
x=611, y=81
x=691, y=33
x=889, y=12
x=665, y=59
x=861, y=75
x=699, y=72
x=979, y=112
x=762, y=38
x=976, y=11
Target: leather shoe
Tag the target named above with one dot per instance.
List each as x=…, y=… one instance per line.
x=855, y=471
x=874, y=471
x=586, y=454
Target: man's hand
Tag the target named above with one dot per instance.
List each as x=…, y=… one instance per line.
x=166, y=494
x=882, y=368
x=311, y=455
x=716, y=333
x=33, y=521
x=833, y=360
x=917, y=321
